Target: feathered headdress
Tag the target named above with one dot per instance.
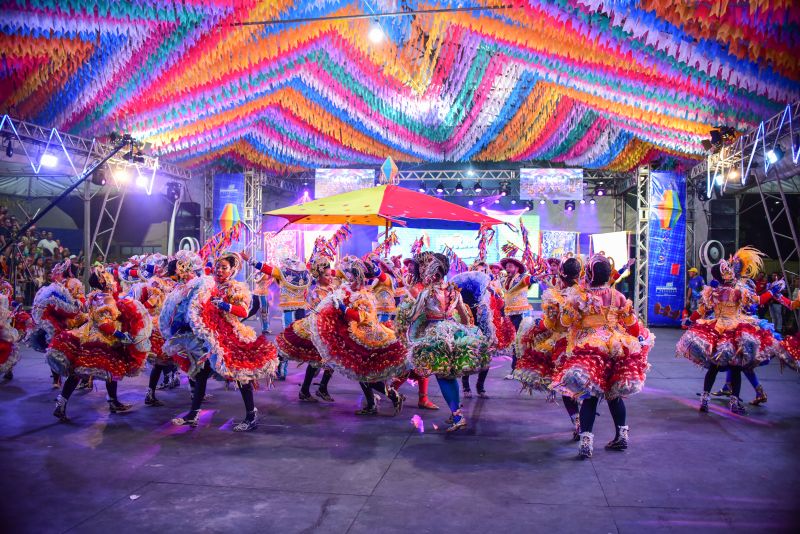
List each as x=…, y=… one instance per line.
x=747, y=262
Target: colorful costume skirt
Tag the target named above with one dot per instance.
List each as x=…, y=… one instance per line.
x=295, y=343
x=791, y=351
x=448, y=349
x=107, y=359
x=602, y=362
x=368, y=352
x=503, y=327
x=538, y=348
x=9, y=356
x=745, y=345
x=157, y=355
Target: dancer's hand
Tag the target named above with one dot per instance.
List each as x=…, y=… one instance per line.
x=221, y=304
x=123, y=336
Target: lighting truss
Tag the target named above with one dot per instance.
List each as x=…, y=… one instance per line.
x=642, y=241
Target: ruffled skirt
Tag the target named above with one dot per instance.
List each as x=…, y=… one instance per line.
x=538, y=348
x=364, y=355
x=503, y=327
x=791, y=352
x=602, y=362
x=67, y=355
x=295, y=343
x=746, y=345
x=9, y=356
x=449, y=349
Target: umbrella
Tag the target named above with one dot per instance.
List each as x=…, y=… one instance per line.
x=384, y=205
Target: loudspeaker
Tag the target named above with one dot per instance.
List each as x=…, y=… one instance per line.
x=188, y=223
x=722, y=223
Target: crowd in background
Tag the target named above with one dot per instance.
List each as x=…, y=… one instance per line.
x=30, y=257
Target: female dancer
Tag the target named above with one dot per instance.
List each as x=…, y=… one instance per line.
x=203, y=329
x=9, y=336
x=111, y=345
x=442, y=345
x=295, y=343
x=349, y=337
x=732, y=339
x=515, y=292
x=57, y=307
x=541, y=344
x=603, y=357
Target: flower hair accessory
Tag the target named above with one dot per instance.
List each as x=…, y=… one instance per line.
x=592, y=264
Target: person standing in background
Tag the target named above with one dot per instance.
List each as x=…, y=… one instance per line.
x=694, y=289
x=777, y=285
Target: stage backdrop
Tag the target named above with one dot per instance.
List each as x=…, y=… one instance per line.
x=329, y=182
x=667, y=255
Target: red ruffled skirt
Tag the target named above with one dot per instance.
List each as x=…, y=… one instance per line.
x=504, y=328
x=234, y=357
x=295, y=344
x=745, y=345
x=67, y=355
x=791, y=351
x=339, y=349
x=157, y=355
x=538, y=349
x=9, y=356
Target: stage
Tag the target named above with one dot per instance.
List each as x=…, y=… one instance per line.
x=318, y=467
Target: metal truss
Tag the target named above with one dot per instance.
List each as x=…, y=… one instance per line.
x=691, y=252
x=106, y=223
x=253, y=208
x=781, y=223
x=642, y=240
x=208, y=206
x=454, y=175
x=619, y=213
x=741, y=154
x=31, y=134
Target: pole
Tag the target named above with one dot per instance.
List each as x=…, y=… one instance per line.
x=87, y=234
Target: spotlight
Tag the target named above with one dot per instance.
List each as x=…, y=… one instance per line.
x=173, y=191
x=9, y=148
x=504, y=189
x=774, y=155
x=569, y=205
x=592, y=201
x=99, y=177
x=600, y=192
x=513, y=200
x=583, y=201
x=478, y=187
x=459, y=187
x=440, y=187
x=470, y=202
x=718, y=179
x=121, y=176
x=733, y=175
x=376, y=34
x=421, y=187
x=716, y=137
x=702, y=194
x=470, y=172
x=542, y=202
x=48, y=160
x=497, y=201
x=141, y=181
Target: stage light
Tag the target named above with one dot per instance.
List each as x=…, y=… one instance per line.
x=774, y=155
x=459, y=187
x=569, y=205
x=504, y=189
x=592, y=201
x=440, y=187
x=718, y=179
x=527, y=208
x=702, y=194
x=497, y=201
x=121, y=176
x=48, y=160
x=599, y=191
x=421, y=188
x=583, y=201
x=470, y=172
x=513, y=200
x=141, y=181
x=173, y=190
x=376, y=34
x=99, y=177
x=470, y=202
x=9, y=148
x=478, y=187
x=542, y=202
x=733, y=175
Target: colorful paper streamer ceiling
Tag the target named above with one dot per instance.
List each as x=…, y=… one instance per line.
x=606, y=84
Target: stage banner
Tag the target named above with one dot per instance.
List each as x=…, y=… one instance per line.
x=666, y=257
x=555, y=243
x=551, y=184
x=228, y=201
x=329, y=182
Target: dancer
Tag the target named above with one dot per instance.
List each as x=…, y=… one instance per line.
x=112, y=344
x=203, y=329
x=603, y=358
x=732, y=339
x=515, y=292
x=349, y=337
x=57, y=307
x=440, y=344
x=293, y=282
x=261, y=294
x=295, y=343
x=9, y=336
x=540, y=344
x=384, y=289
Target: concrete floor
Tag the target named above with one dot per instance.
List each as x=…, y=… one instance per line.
x=319, y=468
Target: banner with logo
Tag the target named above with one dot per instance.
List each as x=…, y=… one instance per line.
x=666, y=257
x=228, y=206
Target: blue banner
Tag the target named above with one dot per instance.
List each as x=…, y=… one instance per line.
x=666, y=257
x=228, y=200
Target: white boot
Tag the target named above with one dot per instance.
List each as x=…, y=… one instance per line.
x=586, y=445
